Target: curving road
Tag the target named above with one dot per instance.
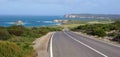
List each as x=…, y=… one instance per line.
x=68, y=44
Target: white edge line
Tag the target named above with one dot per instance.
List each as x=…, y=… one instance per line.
x=51, y=50
x=104, y=42
x=107, y=43
x=86, y=45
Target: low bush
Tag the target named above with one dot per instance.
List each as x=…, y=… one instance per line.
x=4, y=34
x=117, y=38
x=21, y=38
x=98, y=32
x=99, y=29
x=16, y=32
x=8, y=49
x=31, y=34
x=19, y=27
x=112, y=34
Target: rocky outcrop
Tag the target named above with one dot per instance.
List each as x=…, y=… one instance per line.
x=19, y=22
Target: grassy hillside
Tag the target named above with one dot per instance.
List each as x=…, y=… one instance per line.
x=101, y=30
x=15, y=40
x=9, y=49
x=90, y=21
x=75, y=23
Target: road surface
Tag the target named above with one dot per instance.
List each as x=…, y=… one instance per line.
x=69, y=44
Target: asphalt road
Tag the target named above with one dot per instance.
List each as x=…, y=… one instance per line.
x=68, y=44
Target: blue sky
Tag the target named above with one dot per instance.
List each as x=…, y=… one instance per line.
x=58, y=7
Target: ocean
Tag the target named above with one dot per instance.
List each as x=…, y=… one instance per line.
x=31, y=21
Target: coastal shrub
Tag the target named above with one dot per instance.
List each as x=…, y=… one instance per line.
x=27, y=48
x=55, y=28
x=31, y=34
x=16, y=32
x=1, y=27
x=117, y=38
x=21, y=38
x=95, y=29
x=4, y=34
x=112, y=34
x=43, y=32
x=34, y=28
x=8, y=49
x=16, y=27
x=99, y=32
x=116, y=25
x=16, y=39
x=25, y=44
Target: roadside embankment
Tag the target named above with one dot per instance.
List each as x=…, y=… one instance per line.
x=41, y=45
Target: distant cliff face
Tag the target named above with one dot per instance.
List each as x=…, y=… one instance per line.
x=101, y=16
x=70, y=16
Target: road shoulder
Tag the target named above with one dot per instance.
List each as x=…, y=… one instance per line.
x=41, y=45
x=98, y=39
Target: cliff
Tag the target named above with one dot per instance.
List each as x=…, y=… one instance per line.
x=101, y=16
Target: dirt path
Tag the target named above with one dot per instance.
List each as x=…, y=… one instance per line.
x=41, y=45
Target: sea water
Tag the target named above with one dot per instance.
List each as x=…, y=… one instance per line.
x=31, y=21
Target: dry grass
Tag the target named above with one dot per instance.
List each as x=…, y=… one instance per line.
x=71, y=25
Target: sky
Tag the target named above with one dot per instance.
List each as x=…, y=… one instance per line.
x=58, y=7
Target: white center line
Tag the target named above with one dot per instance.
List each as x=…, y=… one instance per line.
x=51, y=50
x=86, y=45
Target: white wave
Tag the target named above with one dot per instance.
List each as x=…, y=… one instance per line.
x=38, y=21
x=48, y=21
x=14, y=23
x=9, y=22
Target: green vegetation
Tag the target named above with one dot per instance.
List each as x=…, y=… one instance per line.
x=4, y=34
x=101, y=30
x=94, y=21
x=117, y=38
x=16, y=41
x=98, y=32
x=75, y=23
x=9, y=49
x=71, y=25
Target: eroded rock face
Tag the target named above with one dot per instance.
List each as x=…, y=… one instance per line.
x=100, y=16
x=19, y=22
